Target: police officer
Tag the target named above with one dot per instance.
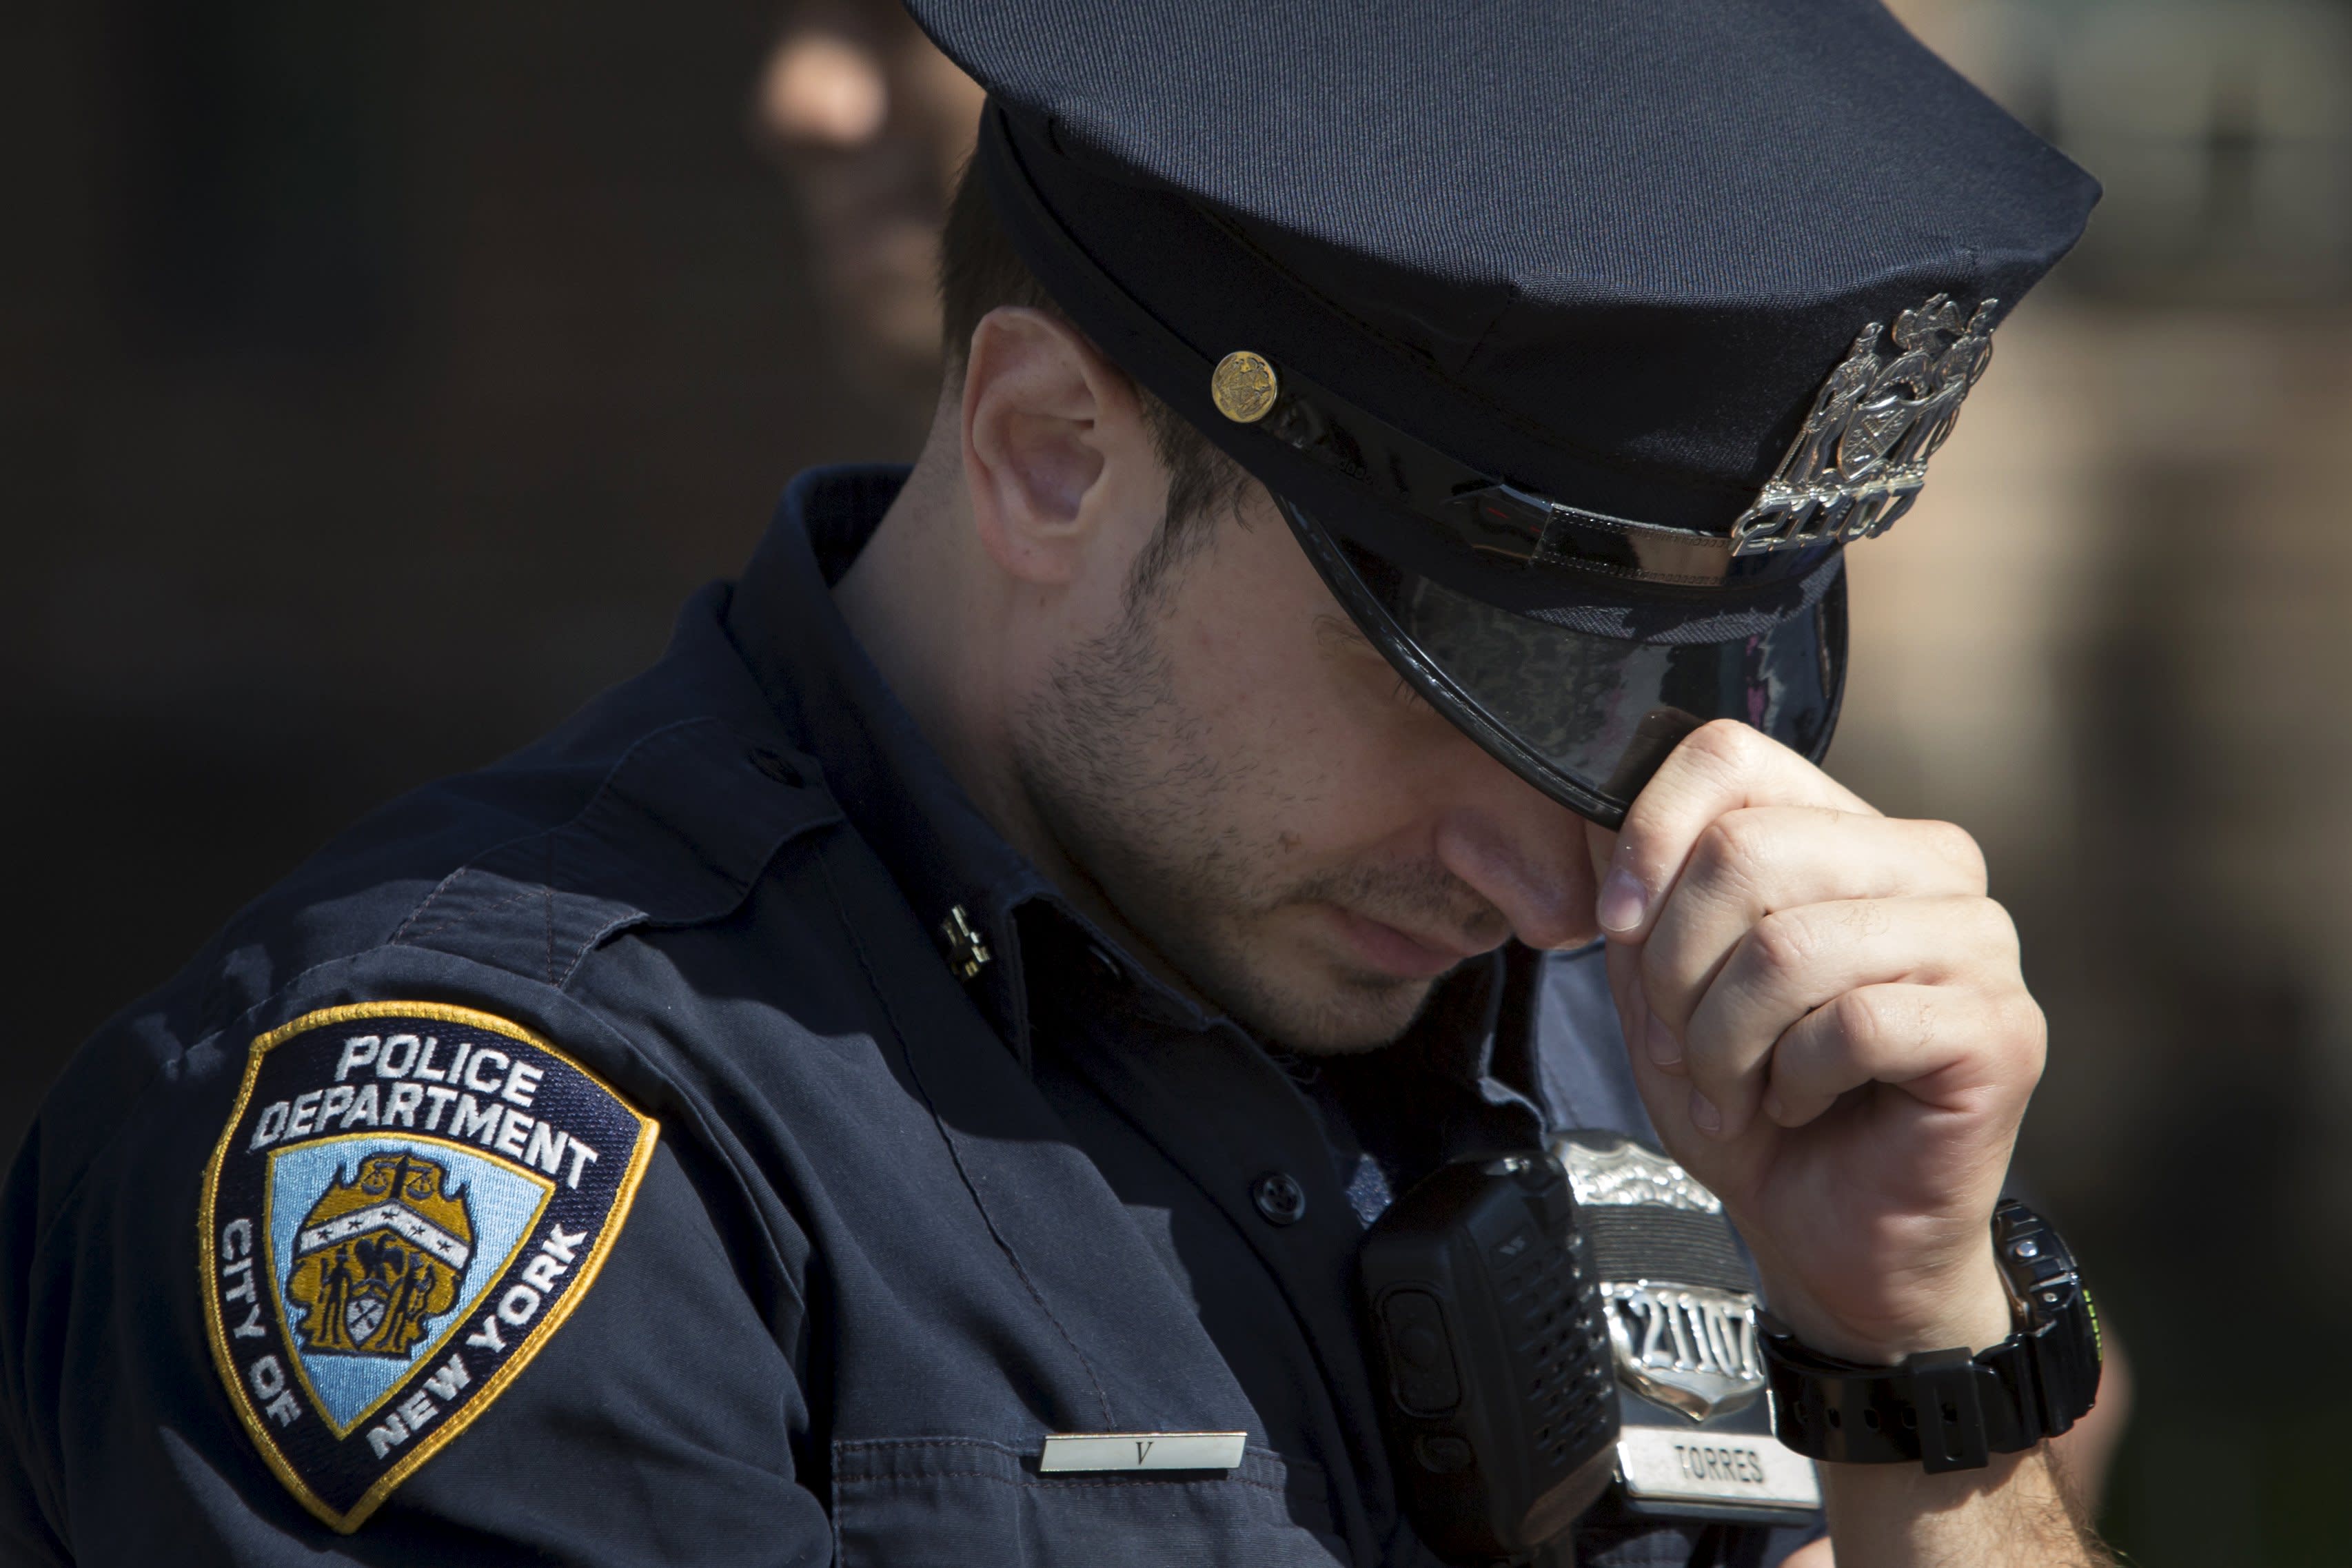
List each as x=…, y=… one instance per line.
x=905, y=1079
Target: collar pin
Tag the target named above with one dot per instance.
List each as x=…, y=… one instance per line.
x=967, y=954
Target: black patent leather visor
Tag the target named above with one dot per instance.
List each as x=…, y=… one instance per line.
x=1588, y=718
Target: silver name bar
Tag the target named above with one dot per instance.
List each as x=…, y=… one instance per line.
x=1073, y=1451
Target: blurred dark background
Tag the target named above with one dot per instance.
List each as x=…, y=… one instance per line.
x=375, y=380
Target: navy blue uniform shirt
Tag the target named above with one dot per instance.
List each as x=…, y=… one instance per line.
x=732, y=1227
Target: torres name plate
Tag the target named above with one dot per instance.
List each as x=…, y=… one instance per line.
x=1662, y=1465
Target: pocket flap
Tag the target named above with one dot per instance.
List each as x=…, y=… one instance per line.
x=911, y=1502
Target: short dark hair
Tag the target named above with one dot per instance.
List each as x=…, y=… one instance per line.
x=979, y=271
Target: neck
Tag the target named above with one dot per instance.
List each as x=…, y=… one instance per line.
x=917, y=599
x=934, y=612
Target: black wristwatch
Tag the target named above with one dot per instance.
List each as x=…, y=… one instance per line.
x=1945, y=1409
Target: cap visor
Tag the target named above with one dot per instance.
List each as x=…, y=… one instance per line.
x=1588, y=718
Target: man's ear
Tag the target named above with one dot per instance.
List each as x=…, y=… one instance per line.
x=1055, y=447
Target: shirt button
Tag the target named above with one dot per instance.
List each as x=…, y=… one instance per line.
x=1279, y=1198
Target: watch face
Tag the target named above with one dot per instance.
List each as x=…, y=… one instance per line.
x=2060, y=1332
x=2039, y=1265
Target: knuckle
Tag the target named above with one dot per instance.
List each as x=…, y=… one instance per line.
x=1782, y=943
x=1880, y=1024
x=1730, y=849
x=1754, y=832
x=1715, y=849
x=1864, y=917
x=1862, y=1022
x=1998, y=929
x=2022, y=1021
x=1958, y=846
x=2009, y=1036
x=1728, y=742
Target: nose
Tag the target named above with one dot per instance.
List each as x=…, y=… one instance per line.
x=1525, y=854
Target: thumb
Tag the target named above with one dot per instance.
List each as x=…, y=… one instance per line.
x=1664, y=1095
x=1611, y=887
x=1623, y=958
x=1624, y=962
x=1601, y=845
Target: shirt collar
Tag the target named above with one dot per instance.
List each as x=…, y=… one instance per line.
x=942, y=851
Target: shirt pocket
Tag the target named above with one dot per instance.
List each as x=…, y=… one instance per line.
x=954, y=1502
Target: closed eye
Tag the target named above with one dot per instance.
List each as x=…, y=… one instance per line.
x=1338, y=634
x=1408, y=694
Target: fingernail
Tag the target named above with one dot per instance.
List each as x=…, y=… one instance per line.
x=1703, y=1113
x=1622, y=899
x=1665, y=1049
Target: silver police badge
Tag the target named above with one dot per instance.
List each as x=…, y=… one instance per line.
x=1696, y=1441
x=1859, y=462
x=1684, y=1332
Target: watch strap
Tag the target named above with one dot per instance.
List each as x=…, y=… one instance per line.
x=1946, y=1409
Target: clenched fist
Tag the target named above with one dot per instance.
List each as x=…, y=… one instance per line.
x=1831, y=1030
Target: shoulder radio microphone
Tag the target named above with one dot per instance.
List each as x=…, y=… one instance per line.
x=1491, y=1360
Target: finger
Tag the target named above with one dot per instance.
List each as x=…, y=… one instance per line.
x=1625, y=988
x=1750, y=862
x=1905, y=1035
x=1796, y=961
x=1600, y=844
x=1664, y=1093
x=1719, y=767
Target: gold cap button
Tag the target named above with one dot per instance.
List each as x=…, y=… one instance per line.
x=1243, y=386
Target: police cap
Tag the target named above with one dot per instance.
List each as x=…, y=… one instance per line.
x=1575, y=342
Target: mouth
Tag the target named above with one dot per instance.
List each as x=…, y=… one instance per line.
x=1404, y=954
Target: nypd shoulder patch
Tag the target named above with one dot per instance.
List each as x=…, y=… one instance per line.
x=407, y=1201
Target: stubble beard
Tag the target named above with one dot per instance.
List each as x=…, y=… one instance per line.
x=1118, y=771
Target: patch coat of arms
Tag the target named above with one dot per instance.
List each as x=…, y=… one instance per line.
x=408, y=1199
x=380, y=1256
x=378, y=1245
